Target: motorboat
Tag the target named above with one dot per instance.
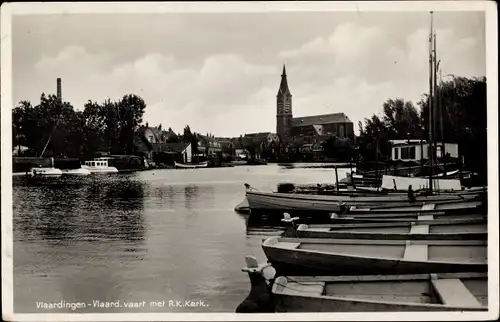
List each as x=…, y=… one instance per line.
x=203, y=164
x=99, y=165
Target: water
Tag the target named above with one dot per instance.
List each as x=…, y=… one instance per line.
x=153, y=236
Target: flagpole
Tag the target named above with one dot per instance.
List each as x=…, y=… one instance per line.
x=430, y=103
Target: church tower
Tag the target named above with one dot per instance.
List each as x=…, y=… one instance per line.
x=284, y=109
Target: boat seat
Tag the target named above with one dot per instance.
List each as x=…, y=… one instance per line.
x=287, y=245
x=305, y=288
x=430, y=206
x=453, y=292
x=415, y=252
x=419, y=229
x=426, y=217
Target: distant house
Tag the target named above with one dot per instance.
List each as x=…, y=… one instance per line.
x=413, y=150
x=147, y=137
x=209, y=146
x=239, y=150
x=226, y=148
x=169, y=153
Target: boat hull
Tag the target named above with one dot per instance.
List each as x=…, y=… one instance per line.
x=289, y=259
x=405, y=231
x=76, y=172
x=101, y=169
x=367, y=293
x=279, y=202
x=191, y=166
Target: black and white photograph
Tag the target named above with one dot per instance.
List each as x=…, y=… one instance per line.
x=249, y=161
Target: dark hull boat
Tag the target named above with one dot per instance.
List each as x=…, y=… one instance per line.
x=317, y=257
x=424, y=230
x=375, y=293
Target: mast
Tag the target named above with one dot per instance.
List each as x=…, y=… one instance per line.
x=430, y=103
x=441, y=110
x=435, y=108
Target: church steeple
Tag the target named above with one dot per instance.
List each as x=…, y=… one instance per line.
x=284, y=90
x=284, y=109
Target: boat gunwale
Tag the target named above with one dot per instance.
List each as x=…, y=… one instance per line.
x=371, y=199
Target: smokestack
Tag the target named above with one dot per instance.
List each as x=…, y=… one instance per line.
x=59, y=92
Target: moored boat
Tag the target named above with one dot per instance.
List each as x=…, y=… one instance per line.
x=273, y=201
x=421, y=230
x=305, y=256
x=443, y=206
x=203, y=164
x=43, y=172
x=372, y=293
x=99, y=165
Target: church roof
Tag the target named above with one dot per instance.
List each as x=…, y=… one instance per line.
x=320, y=119
x=284, y=90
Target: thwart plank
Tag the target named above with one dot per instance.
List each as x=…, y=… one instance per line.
x=419, y=229
x=415, y=252
x=430, y=206
x=453, y=292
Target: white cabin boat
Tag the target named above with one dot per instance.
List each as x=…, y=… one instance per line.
x=45, y=172
x=99, y=165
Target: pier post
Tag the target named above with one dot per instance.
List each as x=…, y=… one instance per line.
x=337, y=179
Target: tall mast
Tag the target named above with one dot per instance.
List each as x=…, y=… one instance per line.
x=435, y=105
x=430, y=103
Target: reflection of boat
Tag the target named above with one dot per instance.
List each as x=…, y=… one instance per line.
x=372, y=293
x=203, y=164
x=320, y=256
x=99, y=165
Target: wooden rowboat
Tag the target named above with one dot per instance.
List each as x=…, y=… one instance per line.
x=425, y=230
x=438, y=216
x=191, y=166
x=369, y=293
x=444, y=206
x=304, y=256
x=271, y=201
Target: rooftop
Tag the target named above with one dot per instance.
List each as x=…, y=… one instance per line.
x=320, y=119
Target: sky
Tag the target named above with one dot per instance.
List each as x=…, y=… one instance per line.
x=220, y=72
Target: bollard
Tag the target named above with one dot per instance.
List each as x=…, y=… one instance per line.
x=259, y=300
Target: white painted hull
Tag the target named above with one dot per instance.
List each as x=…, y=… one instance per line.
x=101, y=169
x=77, y=172
x=45, y=172
x=191, y=166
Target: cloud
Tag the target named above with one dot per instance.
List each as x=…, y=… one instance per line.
x=229, y=90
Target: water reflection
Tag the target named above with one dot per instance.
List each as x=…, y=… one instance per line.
x=80, y=210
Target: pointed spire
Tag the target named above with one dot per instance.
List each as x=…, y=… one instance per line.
x=284, y=90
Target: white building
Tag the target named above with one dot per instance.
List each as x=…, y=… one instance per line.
x=413, y=150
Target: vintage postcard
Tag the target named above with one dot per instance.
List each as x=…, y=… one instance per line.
x=249, y=161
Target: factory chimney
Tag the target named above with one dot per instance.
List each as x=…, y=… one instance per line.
x=59, y=92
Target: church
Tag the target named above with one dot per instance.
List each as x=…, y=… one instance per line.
x=288, y=127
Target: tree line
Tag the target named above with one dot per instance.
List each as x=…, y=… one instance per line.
x=460, y=118
x=57, y=129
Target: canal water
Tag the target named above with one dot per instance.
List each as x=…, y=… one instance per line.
x=148, y=237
